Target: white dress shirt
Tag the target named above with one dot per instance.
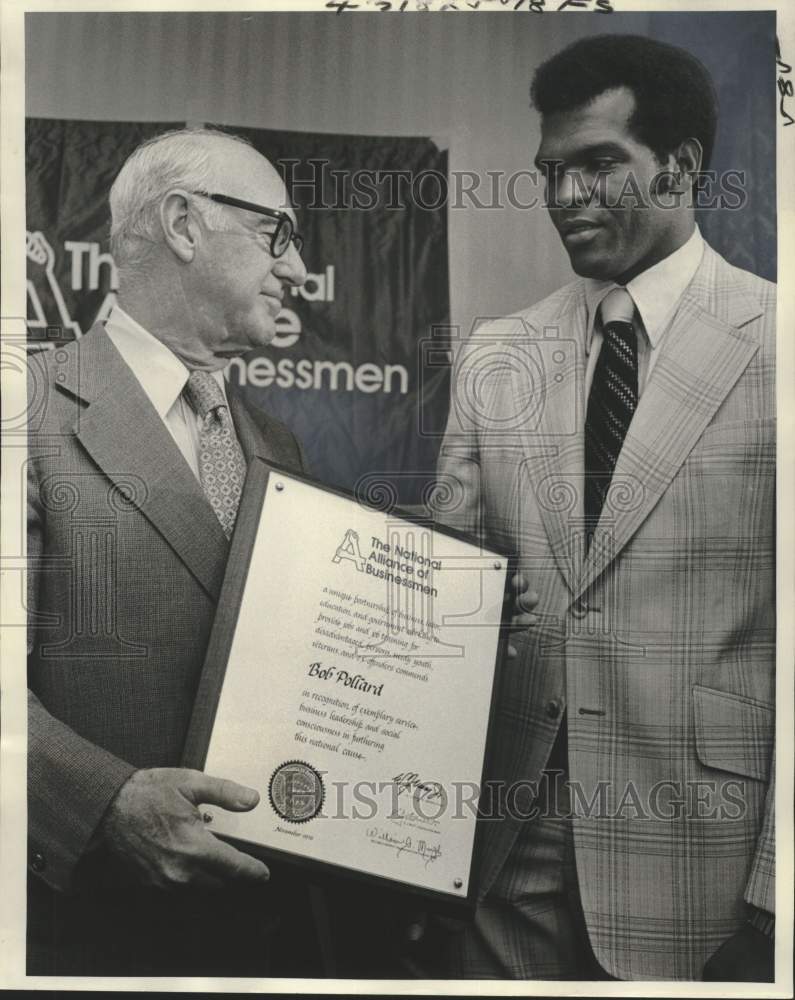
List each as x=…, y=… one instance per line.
x=656, y=293
x=162, y=377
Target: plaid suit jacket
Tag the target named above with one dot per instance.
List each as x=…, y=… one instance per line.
x=126, y=559
x=660, y=641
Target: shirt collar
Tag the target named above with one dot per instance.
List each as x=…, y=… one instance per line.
x=656, y=292
x=160, y=372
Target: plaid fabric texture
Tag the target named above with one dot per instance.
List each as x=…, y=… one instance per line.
x=658, y=641
x=531, y=925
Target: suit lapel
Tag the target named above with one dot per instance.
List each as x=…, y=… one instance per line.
x=247, y=433
x=251, y=438
x=125, y=437
x=552, y=443
x=702, y=357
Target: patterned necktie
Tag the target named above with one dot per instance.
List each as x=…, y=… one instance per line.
x=612, y=401
x=222, y=467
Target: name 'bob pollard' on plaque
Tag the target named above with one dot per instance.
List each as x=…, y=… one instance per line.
x=350, y=679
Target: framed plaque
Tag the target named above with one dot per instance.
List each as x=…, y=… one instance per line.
x=350, y=678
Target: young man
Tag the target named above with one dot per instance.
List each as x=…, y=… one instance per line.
x=624, y=451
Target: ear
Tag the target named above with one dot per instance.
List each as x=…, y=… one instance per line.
x=180, y=232
x=689, y=157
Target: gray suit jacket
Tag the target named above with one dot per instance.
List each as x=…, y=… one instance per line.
x=659, y=642
x=126, y=560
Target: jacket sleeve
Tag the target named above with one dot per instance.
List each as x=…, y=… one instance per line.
x=458, y=481
x=760, y=890
x=71, y=782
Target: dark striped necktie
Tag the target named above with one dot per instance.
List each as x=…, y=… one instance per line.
x=612, y=401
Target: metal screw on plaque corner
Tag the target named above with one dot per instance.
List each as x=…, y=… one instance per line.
x=458, y=883
x=280, y=486
x=497, y=565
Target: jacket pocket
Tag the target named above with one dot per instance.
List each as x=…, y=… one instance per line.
x=734, y=733
x=739, y=433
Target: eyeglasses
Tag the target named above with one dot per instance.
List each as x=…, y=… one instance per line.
x=285, y=228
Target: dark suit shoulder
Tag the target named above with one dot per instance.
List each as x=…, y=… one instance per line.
x=283, y=442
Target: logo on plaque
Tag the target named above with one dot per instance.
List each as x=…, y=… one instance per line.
x=349, y=549
x=296, y=791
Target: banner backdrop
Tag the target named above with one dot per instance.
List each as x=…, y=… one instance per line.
x=359, y=368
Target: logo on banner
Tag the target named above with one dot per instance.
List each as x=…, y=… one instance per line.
x=45, y=299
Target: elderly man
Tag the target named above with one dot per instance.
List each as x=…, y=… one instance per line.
x=138, y=449
x=624, y=450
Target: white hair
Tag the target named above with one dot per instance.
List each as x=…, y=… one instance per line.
x=180, y=158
